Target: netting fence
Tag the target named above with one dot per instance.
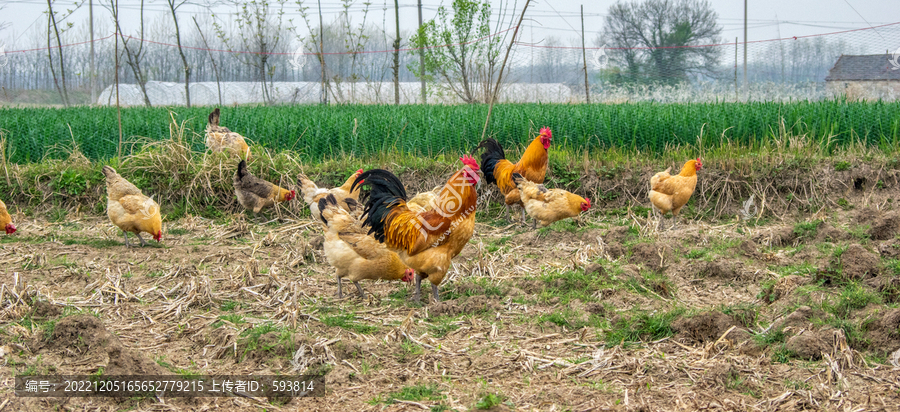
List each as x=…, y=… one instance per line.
x=358, y=68
x=838, y=86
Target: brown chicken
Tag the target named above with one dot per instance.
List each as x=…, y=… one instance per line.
x=426, y=239
x=6, y=219
x=129, y=209
x=532, y=166
x=354, y=254
x=670, y=193
x=549, y=205
x=347, y=199
x=254, y=193
x=219, y=138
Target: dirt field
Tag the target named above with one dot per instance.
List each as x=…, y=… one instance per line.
x=606, y=313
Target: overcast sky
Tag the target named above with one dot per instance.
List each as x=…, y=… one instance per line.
x=559, y=18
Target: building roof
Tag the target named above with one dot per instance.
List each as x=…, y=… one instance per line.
x=868, y=67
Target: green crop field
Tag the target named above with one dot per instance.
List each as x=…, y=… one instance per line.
x=330, y=131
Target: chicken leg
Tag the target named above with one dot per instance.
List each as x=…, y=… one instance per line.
x=359, y=289
x=126, y=239
x=141, y=239
x=340, y=294
x=418, y=296
x=434, y=290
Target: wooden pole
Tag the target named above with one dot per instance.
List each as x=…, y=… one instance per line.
x=93, y=68
x=736, y=97
x=587, y=87
x=746, y=85
x=422, y=60
x=118, y=107
x=503, y=67
x=322, y=55
x=397, y=53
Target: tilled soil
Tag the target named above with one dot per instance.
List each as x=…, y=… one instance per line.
x=763, y=317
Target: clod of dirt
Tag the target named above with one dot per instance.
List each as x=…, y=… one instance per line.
x=890, y=249
x=596, y=309
x=617, y=234
x=807, y=345
x=709, y=327
x=474, y=304
x=615, y=250
x=651, y=255
x=317, y=242
x=885, y=227
x=595, y=269
x=750, y=249
x=82, y=333
x=721, y=374
x=338, y=376
x=888, y=286
x=797, y=320
x=884, y=333
x=784, y=286
x=858, y=263
x=776, y=237
x=719, y=269
x=829, y=233
x=866, y=215
x=531, y=286
x=124, y=361
x=43, y=310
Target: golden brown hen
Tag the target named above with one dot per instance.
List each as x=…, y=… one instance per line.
x=6, y=219
x=549, y=205
x=129, y=209
x=219, y=138
x=354, y=254
x=670, y=193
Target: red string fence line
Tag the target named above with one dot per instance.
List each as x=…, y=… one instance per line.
x=456, y=44
x=707, y=45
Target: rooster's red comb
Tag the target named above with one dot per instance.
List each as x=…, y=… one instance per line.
x=545, y=131
x=359, y=172
x=469, y=161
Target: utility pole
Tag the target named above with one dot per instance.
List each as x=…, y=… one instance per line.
x=422, y=60
x=397, y=54
x=746, y=86
x=322, y=55
x=587, y=87
x=93, y=72
x=736, y=97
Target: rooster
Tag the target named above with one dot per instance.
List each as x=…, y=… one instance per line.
x=347, y=199
x=129, y=209
x=354, y=254
x=532, y=166
x=219, y=138
x=549, y=205
x=426, y=239
x=254, y=193
x=670, y=193
x=6, y=219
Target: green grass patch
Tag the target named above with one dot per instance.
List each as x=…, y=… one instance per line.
x=642, y=326
x=348, y=321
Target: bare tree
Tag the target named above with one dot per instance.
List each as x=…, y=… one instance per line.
x=133, y=56
x=651, y=40
x=54, y=24
x=260, y=32
x=211, y=59
x=173, y=6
